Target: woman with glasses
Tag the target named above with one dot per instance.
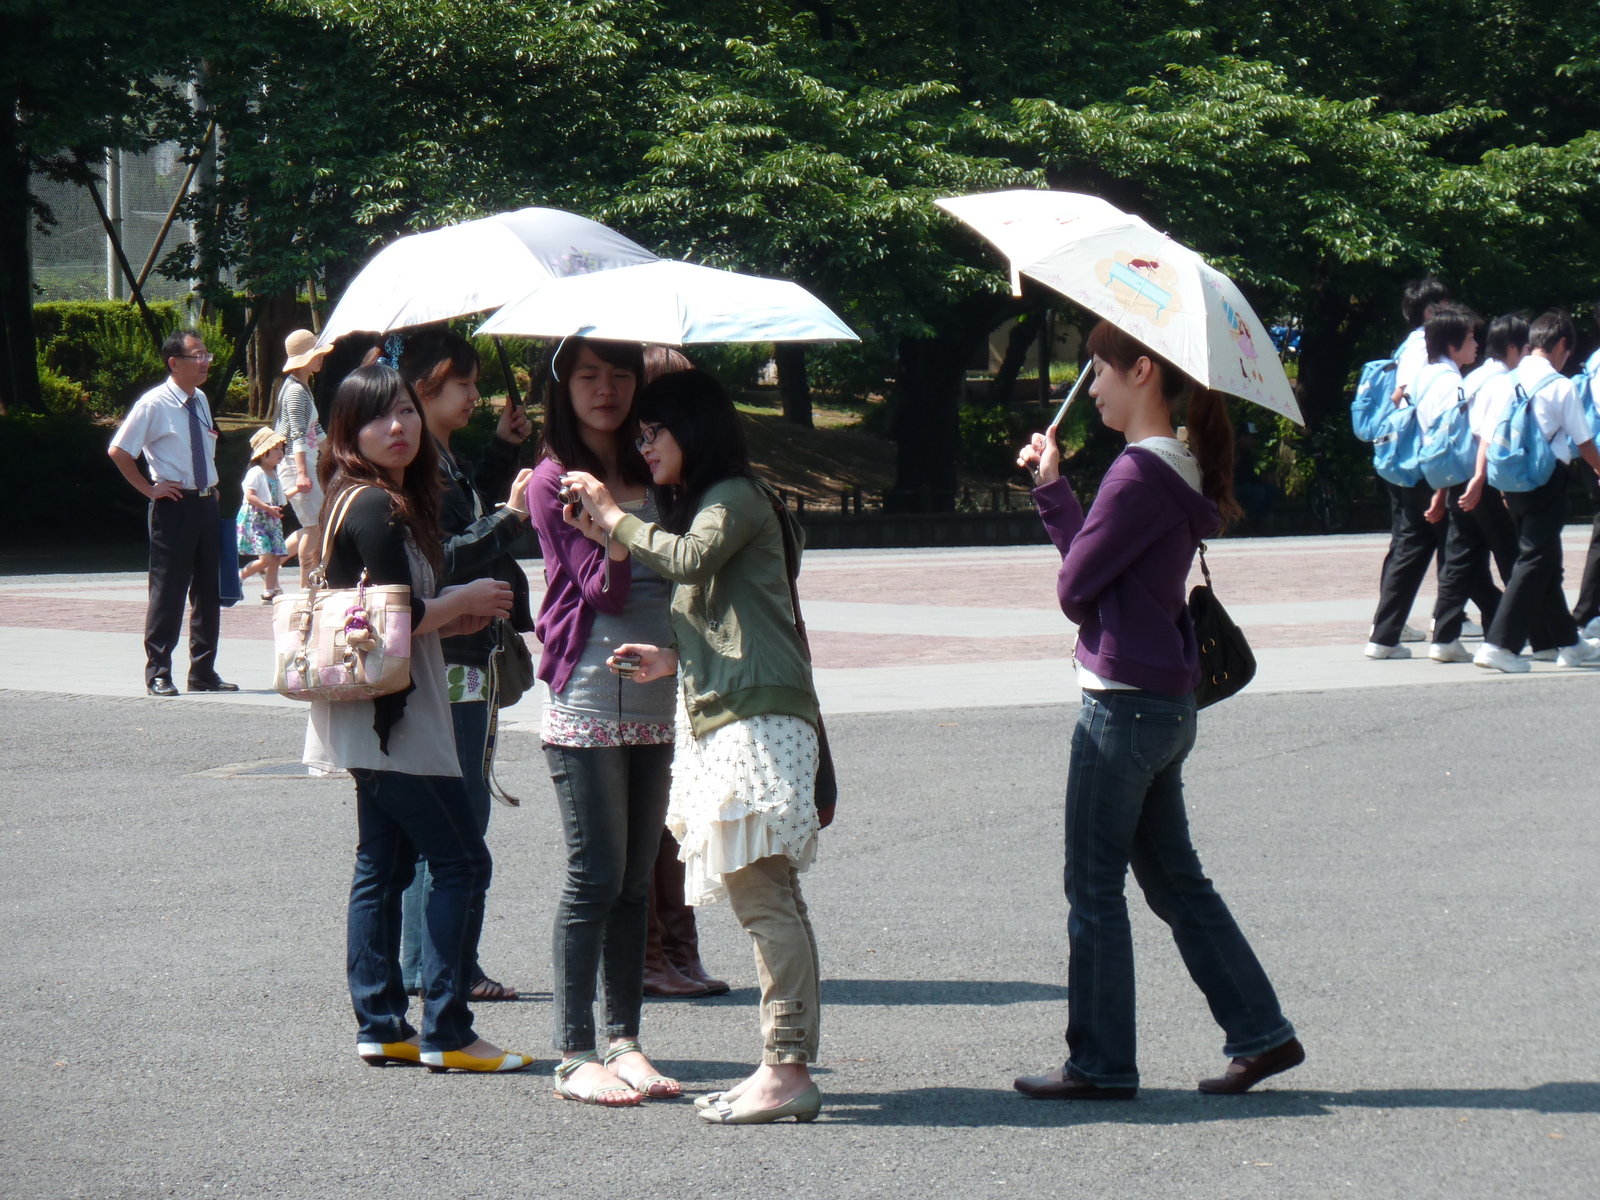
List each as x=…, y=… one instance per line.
x=744, y=779
x=609, y=748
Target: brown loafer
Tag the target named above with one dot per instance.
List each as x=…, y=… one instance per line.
x=1244, y=1073
x=1058, y=1085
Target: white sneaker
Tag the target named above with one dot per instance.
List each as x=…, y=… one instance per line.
x=1376, y=651
x=1592, y=629
x=1582, y=653
x=1408, y=634
x=1449, y=652
x=1469, y=630
x=1500, y=660
x=1544, y=655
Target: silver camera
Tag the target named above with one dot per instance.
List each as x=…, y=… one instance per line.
x=566, y=495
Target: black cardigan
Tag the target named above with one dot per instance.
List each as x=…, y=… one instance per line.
x=479, y=547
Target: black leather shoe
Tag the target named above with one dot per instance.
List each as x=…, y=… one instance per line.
x=1244, y=1073
x=213, y=685
x=1058, y=1085
x=161, y=686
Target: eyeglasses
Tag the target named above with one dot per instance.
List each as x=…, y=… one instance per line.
x=647, y=436
x=204, y=356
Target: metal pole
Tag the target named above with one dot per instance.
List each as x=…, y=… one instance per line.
x=150, y=323
x=172, y=213
x=114, y=289
x=1046, y=344
x=513, y=400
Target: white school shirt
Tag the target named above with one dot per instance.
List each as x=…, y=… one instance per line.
x=1176, y=455
x=1410, y=358
x=1438, y=390
x=1473, y=385
x=1556, y=405
x=157, y=426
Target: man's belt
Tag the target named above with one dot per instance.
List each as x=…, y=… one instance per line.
x=200, y=492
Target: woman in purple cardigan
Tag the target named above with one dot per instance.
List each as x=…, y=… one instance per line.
x=608, y=746
x=1123, y=573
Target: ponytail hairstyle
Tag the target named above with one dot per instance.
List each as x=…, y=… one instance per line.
x=434, y=357
x=699, y=414
x=367, y=394
x=1210, y=430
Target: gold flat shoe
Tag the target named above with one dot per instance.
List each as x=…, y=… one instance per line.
x=456, y=1060
x=803, y=1108
x=381, y=1054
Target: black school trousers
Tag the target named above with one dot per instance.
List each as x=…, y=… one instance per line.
x=1465, y=574
x=185, y=551
x=1534, y=591
x=1588, y=606
x=1413, y=542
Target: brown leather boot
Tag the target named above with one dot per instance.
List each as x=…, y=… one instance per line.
x=661, y=979
x=679, y=938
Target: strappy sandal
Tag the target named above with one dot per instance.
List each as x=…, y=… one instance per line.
x=656, y=1087
x=602, y=1096
x=486, y=989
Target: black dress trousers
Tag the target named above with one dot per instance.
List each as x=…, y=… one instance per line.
x=1413, y=542
x=1534, y=593
x=1466, y=574
x=185, y=553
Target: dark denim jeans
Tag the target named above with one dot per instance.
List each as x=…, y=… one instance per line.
x=1125, y=807
x=613, y=803
x=400, y=816
x=471, y=721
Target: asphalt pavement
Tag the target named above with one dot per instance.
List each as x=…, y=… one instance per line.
x=1415, y=867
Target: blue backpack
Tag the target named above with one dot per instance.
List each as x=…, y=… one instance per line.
x=1371, y=404
x=1396, y=448
x=1520, y=458
x=1449, y=453
x=1584, y=384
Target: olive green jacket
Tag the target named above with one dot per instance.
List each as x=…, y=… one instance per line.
x=738, y=652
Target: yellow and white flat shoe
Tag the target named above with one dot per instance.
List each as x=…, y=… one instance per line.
x=381, y=1054
x=457, y=1060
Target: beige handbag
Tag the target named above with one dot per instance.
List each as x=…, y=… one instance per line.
x=346, y=644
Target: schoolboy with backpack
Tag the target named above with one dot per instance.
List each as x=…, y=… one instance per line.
x=1529, y=432
x=1587, y=384
x=1393, y=430
x=1448, y=458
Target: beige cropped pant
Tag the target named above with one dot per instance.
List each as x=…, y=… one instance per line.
x=766, y=898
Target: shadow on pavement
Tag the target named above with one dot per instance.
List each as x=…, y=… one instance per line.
x=974, y=1107
x=937, y=991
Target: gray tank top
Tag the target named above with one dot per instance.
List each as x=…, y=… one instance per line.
x=592, y=691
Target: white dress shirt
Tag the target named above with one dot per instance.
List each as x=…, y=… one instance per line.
x=1437, y=390
x=1556, y=405
x=157, y=426
x=1410, y=358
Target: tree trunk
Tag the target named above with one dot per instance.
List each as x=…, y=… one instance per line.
x=19, y=351
x=279, y=317
x=792, y=383
x=1005, y=379
x=1334, y=323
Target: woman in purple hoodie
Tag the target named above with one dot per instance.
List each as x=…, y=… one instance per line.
x=1123, y=572
x=608, y=746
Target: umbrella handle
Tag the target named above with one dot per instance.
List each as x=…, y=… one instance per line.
x=1083, y=375
x=512, y=399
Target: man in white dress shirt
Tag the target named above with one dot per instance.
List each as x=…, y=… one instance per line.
x=171, y=426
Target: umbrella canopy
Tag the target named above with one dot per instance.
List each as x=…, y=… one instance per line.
x=1157, y=290
x=473, y=267
x=670, y=304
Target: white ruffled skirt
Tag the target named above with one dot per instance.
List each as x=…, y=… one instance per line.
x=744, y=792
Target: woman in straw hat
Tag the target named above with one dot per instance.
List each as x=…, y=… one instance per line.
x=296, y=420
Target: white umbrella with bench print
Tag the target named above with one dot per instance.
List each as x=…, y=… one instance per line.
x=1158, y=290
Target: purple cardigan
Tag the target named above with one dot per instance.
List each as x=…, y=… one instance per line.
x=574, y=569
x=1124, y=567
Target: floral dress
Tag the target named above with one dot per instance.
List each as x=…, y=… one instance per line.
x=259, y=532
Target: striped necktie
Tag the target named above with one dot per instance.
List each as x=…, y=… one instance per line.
x=197, y=454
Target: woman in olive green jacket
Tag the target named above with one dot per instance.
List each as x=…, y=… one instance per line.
x=743, y=804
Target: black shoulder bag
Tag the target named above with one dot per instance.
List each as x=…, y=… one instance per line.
x=827, y=787
x=1227, y=663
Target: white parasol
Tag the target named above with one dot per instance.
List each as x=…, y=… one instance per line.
x=670, y=304
x=1157, y=290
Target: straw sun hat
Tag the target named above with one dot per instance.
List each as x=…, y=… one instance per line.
x=300, y=347
x=263, y=440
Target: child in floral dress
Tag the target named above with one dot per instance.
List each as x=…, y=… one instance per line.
x=260, y=518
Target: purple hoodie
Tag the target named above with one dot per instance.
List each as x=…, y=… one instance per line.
x=1124, y=567
x=574, y=569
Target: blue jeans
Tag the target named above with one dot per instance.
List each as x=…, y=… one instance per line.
x=613, y=803
x=1125, y=808
x=471, y=722
x=400, y=816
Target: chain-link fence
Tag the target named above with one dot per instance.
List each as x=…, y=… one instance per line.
x=74, y=261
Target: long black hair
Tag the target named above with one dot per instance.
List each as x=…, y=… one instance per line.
x=699, y=414
x=562, y=439
x=366, y=394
